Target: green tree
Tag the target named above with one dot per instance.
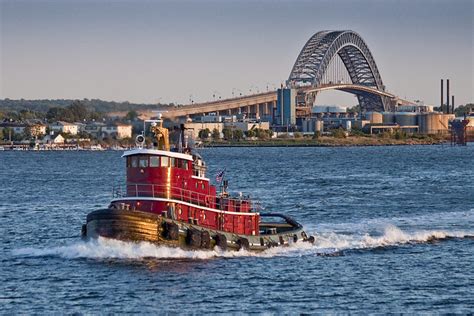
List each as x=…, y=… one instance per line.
x=16, y=137
x=54, y=114
x=6, y=133
x=77, y=111
x=338, y=133
x=250, y=133
x=131, y=115
x=227, y=133
x=464, y=109
x=27, y=114
x=204, y=133
x=238, y=135
x=216, y=135
x=354, y=109
x=399, y=134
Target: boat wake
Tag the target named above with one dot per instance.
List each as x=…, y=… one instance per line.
x=328, y=243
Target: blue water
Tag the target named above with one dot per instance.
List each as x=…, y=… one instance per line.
x=394, y=231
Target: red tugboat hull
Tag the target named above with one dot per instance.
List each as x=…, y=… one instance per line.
x=138, y=226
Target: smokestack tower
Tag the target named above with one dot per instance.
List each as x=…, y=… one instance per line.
x=442, y=95
x=447, y=96
x=452, y=104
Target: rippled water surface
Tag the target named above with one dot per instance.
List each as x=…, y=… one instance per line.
x=394, y=231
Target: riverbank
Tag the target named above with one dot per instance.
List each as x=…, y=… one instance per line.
x=328, y=141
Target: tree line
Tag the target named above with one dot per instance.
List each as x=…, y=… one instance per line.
x=28, y=109
x=234, y=134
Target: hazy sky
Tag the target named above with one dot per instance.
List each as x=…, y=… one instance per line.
x=171, y=51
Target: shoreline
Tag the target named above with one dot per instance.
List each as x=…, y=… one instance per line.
x=325, y=141
x=354, y=141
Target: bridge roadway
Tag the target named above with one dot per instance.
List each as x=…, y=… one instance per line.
x=263, y=103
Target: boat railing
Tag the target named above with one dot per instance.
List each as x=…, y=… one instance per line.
x=138, y=190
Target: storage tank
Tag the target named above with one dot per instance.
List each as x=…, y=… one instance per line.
x=388, y=117
x=319, y=126
x=434, y=122
x=307, y=126
x=348, y=125
x=406, y=118
x=374, y=117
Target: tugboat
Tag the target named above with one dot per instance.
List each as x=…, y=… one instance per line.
x=168, y=200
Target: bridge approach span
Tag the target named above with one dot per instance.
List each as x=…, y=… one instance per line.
x=261, y=102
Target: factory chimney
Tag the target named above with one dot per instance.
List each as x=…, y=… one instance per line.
x=452, y=104
x=442, y=95
x=447, y=96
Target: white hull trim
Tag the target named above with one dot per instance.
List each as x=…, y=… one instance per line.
x=181, y=202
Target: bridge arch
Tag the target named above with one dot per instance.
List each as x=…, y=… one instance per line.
x=316, y=55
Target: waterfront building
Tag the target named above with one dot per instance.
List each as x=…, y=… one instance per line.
x=64, y=127
x=53, y=139
x=36, y=129
x=16, y=127
x=193, y=128
x=94, y=128
x=245, y=126
x=117, y=130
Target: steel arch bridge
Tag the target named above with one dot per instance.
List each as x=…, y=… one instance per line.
x=316, y=55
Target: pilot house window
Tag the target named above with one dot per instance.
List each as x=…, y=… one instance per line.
x=154, y=161
x=143, y=162
x=164, y=161
x=134, y=163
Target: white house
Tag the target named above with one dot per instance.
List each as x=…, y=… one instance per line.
x=117, y=130
x=53, y=139
x=64, y=127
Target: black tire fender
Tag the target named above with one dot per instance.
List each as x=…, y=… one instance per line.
x=243, y=243
x=221, y=241
x=193, y=238
x=205, y=239
x=171, y=231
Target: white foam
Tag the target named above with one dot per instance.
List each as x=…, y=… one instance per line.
x=326, y=243
x=391, y=236
x=102, y=248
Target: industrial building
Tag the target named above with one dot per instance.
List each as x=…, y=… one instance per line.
x=220, y=122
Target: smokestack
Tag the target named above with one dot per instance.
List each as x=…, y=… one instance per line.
x=442, y=95
x=452, y=104
x=447, y=96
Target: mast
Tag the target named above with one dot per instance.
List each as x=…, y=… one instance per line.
x=161, y=134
